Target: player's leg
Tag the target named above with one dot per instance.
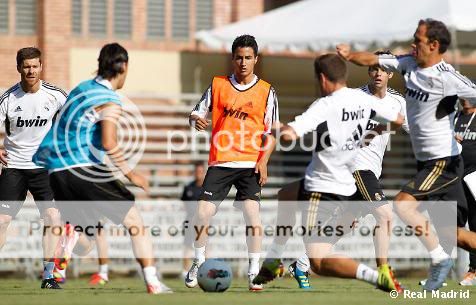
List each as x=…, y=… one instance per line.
x=13, y=190
x=102, y=276
x=369, y=189
x=39, y=187
x=286, y=219
x=215, y=188
x=189, y=236
x=319, y=248
x=469, y=278
x=254, y=237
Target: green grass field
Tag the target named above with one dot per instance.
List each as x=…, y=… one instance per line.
x=279, y=292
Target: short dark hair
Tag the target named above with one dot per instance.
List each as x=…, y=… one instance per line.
x=437, y=31
x=332, y=66
x=111, y=60
x=27, y=53
x=244, y=41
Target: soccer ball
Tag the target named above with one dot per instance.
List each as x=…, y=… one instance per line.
x=214, y=276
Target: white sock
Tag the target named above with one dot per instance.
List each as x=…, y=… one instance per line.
x=303, y=263
x=150, y=275
x=438, y=254
x=367, y=274
x=275, y=251
x=200, y=254
x=253, y=267
x=48, y=268
x=103, y=271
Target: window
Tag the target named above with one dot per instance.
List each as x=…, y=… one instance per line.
x=77, y=17
x=204, y=15
x=122, y=18
x=25, y=17
x=180, y=19
x=4, y=16
x=156, y=18
x=98, y=17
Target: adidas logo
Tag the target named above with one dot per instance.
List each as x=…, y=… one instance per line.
x=18, y=109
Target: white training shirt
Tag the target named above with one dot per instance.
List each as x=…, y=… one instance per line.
x=27, y=118
x=339, y=120
x=431, y=120
x=370, y=157
x=271, y=116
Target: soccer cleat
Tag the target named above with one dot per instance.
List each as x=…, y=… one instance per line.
x=159, y=288
x=251, y=285
x=270, y=269
x=386, y=279
x=59, y=275
x=469, y=278
x=301, y=277
x=50, y=284
x=437, y=274
x=97, y=280
x=191, y=278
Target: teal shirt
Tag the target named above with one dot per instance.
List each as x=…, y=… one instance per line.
x=75, y=137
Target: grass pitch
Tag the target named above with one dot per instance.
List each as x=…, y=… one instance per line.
x=279, y=292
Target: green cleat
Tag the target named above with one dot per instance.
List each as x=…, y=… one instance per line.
x=271, y=269
x=387, y=281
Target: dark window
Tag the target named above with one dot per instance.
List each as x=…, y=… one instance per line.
x=181, y=19
x=156, y=18
x=25, y=17
x=122, y=18
x=98, y=17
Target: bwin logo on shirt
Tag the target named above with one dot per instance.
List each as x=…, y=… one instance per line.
x=417, y=94
x=237, y=113
x=38, y=122
x=352, y=115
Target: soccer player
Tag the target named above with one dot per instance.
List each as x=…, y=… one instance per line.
x=190, y=196
x=243, y=109
x=432, y=88
x=465, y=128
x=74, y=152
x=27, y=109
x=367, y=169
x=339, y=117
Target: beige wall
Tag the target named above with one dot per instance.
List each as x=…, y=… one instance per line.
x=149, y=71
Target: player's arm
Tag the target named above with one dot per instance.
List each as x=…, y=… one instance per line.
x=271, y=119
x=358, y=58
x=198, y=117
x=459, y=85
x=110, y=114
x=3, y=117
x=384, y=115
x=269, y=143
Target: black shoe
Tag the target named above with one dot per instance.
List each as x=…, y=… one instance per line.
x=50, y=284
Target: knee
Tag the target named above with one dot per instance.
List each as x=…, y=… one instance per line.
x=384, y=214
x=132, y=218
x=204, y=215
x=5, y=221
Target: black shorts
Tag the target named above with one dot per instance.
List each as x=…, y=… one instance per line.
x=14, y=185
x=369, y=189
x=219, y=180
x=440, y=179
x=322, y=215
x=92, y=200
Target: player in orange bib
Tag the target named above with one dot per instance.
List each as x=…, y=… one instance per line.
x=243, y=110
